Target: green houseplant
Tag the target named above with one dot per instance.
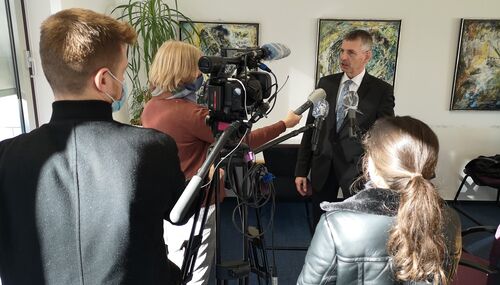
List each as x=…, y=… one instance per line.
x=155, y=22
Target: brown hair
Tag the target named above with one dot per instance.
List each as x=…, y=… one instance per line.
x=364, y=36
x=76, y=43
x=175, y=63
x=403, y=152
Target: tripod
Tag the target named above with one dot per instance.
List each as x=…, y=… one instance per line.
x=245, y=179
x=253, y=256
x=252, y=240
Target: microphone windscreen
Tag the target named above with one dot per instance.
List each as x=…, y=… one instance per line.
x=321, y=109
x=276, y=51
x=317, y=95
x=351, y=100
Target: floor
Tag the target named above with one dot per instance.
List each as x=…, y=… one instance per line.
x=292, y=230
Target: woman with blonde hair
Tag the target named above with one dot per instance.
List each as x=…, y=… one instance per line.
x=175, y=79
x=397, y=230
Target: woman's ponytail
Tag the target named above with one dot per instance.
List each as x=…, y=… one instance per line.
x=416, y=242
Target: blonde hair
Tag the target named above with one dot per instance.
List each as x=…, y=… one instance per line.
x=403, y=151
x=76, y=43
x=175, y=63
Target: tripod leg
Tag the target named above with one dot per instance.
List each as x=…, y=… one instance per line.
x=189, y=265
x=262, y=247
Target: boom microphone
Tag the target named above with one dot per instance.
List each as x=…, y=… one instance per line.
x=271, y=51
x=314, y=98
x=274, y=51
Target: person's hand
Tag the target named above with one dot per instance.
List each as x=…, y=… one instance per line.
x=212, y=170
x=302, y=187
x=291, y=119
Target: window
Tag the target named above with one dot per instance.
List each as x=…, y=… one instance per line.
x=17, y=112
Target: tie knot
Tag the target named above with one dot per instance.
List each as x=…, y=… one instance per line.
x=348, y=82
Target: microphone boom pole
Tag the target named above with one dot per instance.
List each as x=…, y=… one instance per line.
x=282, y=138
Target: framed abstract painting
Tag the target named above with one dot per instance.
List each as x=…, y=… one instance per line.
x=215, y=37
x=476, y=84
x=385, y=34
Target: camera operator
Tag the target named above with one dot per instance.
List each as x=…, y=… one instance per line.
x=175, y=77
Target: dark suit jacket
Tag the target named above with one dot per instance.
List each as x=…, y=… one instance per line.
x=82, y=200
x=376, y=99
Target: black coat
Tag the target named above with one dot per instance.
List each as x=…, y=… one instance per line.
x=83, y=198
x=376, y=99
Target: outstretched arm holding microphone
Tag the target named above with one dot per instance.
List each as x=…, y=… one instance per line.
x=174, y=110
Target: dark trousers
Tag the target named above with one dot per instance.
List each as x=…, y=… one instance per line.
x=330, y=191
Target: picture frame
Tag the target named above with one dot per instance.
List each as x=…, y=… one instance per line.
x=217, y=38
x=385, y=34
x=476, y=81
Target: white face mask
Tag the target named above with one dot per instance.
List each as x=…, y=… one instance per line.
x=117, y=104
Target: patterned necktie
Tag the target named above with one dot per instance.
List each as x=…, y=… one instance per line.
x=340, y=104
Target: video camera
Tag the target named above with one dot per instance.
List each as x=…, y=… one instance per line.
x=234, y=88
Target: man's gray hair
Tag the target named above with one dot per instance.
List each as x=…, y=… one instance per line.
x=366, y=38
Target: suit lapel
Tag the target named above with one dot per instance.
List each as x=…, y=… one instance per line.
x=332, y=101
x=364, y=87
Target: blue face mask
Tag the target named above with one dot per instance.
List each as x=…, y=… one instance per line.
x=188, y=91
x=195, y=85
x=117, y=104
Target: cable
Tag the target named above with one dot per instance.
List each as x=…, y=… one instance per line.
x=279, y=90
x=256, y=199
x=244, y=92
x=222, y=159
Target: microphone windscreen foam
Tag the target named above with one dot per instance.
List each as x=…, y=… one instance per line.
x=317, y=95
x=276, y=51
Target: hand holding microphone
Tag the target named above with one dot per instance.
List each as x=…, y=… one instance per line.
x=291, y=119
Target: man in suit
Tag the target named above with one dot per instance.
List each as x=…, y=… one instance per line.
x=83, y=197
x=337, y=157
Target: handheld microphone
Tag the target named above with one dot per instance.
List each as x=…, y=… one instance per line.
x=313, y=98
x=320, y=112
x=351, y=101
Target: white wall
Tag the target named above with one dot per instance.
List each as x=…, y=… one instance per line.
x=426, y=59
x=36, y=12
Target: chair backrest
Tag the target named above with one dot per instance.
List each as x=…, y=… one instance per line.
x=474, y=266
x=280, y=161
x=472, y=270
x=495, y=250
x=485, y=170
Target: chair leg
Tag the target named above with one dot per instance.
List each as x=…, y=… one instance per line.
x=308, y=217
x=498, y=195
x=460, y=188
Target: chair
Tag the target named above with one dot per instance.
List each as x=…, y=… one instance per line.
x=484, y=171
x=479, y=263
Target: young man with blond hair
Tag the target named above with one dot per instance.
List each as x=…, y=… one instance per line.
x=83, y=197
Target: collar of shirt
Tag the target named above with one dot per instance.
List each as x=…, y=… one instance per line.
x=356, y=80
